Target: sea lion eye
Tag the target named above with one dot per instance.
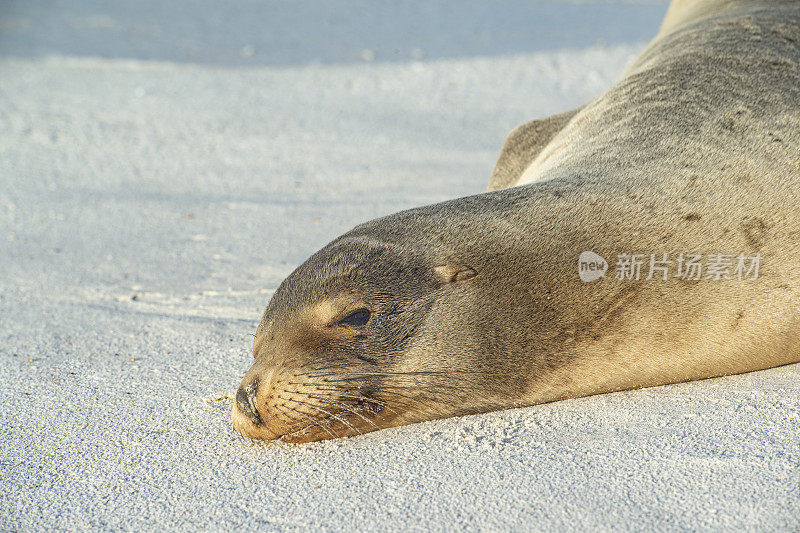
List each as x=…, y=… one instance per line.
x=359, y=317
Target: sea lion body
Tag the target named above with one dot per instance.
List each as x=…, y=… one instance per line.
x=477, y=304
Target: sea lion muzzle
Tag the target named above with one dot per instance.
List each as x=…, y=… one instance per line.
x=245, y=401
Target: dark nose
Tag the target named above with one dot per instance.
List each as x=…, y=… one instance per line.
x=246, y=400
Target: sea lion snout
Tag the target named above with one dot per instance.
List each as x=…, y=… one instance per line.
x=246, y=402
x=251, y=414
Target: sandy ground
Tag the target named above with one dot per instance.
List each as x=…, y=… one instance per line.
x=163, y=166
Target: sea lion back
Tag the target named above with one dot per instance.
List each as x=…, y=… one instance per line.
x=716, y=86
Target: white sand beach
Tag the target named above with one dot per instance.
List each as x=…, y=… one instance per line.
x=164, y=165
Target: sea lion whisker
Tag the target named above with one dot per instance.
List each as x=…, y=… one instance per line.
x=384, y=391
x=427, y=401
x=318, y=386
x=358, y=397
x=418, y=398
x=330, y=415
x=410, y=373
x=365, y=398
x=293, y=421
x=359, y=377
x=311, y=417
x=430, y=388
x=315, y=422
x=345, y=407
x=383, y=405
x=408, y=403
x=327, y=414
x=438, y=385
x=339, y=389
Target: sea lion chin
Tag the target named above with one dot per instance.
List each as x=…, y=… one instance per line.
x=475, y=304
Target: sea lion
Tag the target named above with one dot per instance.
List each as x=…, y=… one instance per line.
x=649, y=237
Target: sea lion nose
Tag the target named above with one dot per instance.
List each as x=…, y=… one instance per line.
x=246, y=401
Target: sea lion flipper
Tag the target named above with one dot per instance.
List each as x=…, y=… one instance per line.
x=523, y=145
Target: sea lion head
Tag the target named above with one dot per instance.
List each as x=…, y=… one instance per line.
x=352, y=341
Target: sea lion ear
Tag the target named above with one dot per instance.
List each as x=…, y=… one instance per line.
x=454, y=273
